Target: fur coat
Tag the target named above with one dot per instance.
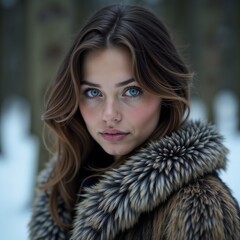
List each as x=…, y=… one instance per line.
x=168, y=190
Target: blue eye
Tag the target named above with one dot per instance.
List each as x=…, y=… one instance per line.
x=92, y=93
x=133, y=91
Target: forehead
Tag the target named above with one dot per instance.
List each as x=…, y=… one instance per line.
x=110, y=62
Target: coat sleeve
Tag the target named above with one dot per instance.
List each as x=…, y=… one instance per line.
x=204, y=210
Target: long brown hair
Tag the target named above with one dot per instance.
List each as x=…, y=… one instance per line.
x=157, y=67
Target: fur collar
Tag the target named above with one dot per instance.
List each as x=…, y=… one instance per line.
x=143, y=182
x=146, y=180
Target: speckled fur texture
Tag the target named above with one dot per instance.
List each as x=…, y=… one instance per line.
x=168, y=190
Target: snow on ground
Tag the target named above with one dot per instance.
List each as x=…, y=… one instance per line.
x=18, y=160
x=226, y=106
x=17, y=170
x=226, y=112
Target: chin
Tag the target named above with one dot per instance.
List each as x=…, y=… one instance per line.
x=117, y=152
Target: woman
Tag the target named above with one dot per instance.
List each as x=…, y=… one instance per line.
x=128, y=164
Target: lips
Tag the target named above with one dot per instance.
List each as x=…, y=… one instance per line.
x=113, y=135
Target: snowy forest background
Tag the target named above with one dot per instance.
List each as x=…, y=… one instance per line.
x=34, y=38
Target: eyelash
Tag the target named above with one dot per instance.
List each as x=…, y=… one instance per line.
x=86, y=91
x=140, y=92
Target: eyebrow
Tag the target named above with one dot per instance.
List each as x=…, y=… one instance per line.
x=117, y=85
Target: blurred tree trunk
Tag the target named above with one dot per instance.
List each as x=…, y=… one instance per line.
x=227, y=41
x=49, y=31
x=12, y=50
x=237, y=54
x=210, y=61
x=1, y=74
x=228, y=33
x=12, y=75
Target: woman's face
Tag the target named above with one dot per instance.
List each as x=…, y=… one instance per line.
x=118, y=113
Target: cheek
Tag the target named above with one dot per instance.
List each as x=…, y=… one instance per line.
x=145, y=114
x=87, y=114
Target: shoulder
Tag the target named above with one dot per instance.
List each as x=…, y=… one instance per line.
x=204, y=209
x=41, y=224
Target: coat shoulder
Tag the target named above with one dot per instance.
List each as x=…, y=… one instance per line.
x=204, y=209
x=41, y=224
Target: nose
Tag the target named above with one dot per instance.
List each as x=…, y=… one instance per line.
x=111, y=112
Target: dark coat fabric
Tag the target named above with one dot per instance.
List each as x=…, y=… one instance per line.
x=166, y=191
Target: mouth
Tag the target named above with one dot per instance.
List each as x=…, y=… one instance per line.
x=113, y=135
